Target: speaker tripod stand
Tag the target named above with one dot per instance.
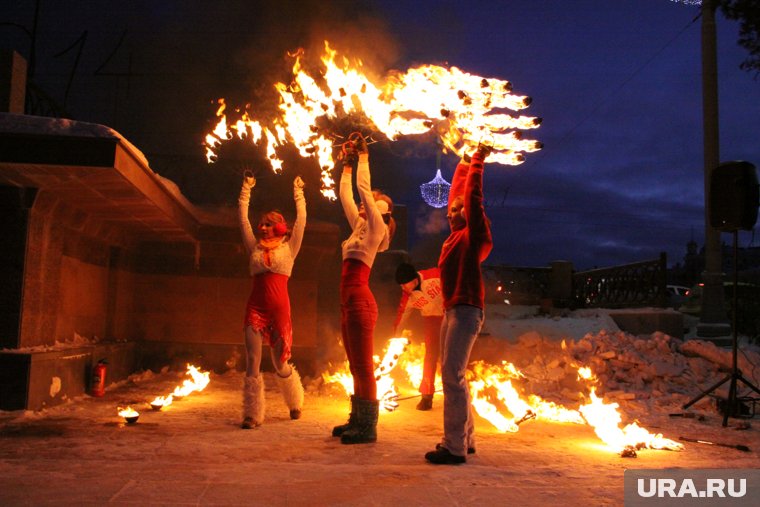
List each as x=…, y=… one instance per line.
x=735, y=375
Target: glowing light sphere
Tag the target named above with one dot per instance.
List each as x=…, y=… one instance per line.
x=435, y=192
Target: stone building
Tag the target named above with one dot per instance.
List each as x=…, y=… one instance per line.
x=102, y=258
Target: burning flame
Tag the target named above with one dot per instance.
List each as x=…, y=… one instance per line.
x=606, y=420
x=162, y=401
x=460, y=108
x=128, y=412
x=489, y=381
x=198, y=382
x=496, y=399
x=497, y=380
x=386, y=389
x=412, y=363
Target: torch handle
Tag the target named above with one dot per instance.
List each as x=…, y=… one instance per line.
x=739, y=447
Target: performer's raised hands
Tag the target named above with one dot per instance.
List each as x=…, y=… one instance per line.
x=484, y=149
x=348, y=154
x=359, y=142
x=249, y=181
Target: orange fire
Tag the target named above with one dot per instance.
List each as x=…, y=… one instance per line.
x=460, y=108
x=386, y=388
x=197, y=382
x=606, y=420
x=128, y=412
x=412, y=363
x=496, y=399
x=488, y=382
x=162, y=401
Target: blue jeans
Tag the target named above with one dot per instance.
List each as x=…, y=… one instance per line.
x=459, y=330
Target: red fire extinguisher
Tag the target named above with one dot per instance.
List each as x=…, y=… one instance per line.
x=98, y=386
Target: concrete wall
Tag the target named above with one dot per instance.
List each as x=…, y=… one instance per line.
x=82, y=279
x=66, y=275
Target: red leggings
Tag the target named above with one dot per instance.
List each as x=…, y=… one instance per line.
x=432, y=351
x=358, y=318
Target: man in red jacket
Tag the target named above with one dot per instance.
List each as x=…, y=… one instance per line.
x=462, y=253
x=421, y=290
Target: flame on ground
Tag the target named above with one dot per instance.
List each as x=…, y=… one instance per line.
x=386, y=388
x=412, y=364
x=162, y=401
x=128, y=412
x=197, y=382
x=460, y=108
x=488, y=381
x=499, y=401
x=606, y=420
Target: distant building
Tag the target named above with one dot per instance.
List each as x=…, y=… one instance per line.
x=690, y=270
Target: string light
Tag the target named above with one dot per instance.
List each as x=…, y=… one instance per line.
x=435, y=192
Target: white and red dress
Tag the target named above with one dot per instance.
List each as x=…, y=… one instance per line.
x=270, y=264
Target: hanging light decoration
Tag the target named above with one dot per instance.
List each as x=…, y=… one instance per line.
x=435, y=192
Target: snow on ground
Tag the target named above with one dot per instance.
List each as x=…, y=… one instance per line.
x=193, y=452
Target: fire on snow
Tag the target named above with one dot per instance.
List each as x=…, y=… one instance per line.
x=495, y=399
x=196, y=383
x=461, y=108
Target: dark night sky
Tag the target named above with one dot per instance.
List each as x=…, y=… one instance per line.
x=618, y=84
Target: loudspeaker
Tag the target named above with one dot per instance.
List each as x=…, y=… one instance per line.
x=734, y=196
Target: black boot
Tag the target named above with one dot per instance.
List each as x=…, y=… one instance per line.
x=364, y=431
x=426, y=403
x=339, y=430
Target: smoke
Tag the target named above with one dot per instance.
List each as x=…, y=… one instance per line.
x=431, y=221
x=282, y=27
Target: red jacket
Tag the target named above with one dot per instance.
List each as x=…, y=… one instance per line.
x=465, y=249
x=426, y=298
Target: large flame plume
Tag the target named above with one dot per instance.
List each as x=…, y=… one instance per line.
x=497, y=397
x=491, y=387
x=461, y=108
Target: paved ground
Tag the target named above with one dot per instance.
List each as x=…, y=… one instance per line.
x=194, y=453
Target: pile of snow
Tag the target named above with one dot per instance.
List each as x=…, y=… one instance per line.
x=75, y=342
x=508, y=322
x=644, y=374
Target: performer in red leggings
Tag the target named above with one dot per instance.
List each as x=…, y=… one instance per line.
x=371, y=231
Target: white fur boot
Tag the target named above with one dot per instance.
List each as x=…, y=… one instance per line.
x=253, y=402
x=292, y=392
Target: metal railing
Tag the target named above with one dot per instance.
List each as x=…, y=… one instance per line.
x=634, y=285
x=628, y=286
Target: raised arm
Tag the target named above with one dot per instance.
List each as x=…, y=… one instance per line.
x=459, y=179
x=475, y=212
x=346, y=194
x=364, y=185
x=296, y=235
x=249, y=240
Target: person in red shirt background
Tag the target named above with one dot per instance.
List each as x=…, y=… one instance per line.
x=422, y=291
x=462, y=253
